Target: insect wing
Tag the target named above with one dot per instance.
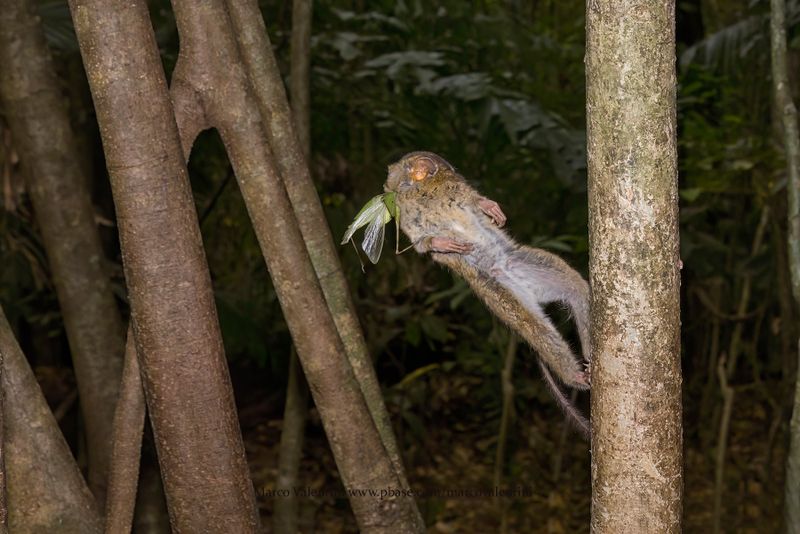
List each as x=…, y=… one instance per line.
x=372, y=210
x=373, y=236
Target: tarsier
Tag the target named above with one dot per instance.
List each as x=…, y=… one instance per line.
x=444, y=216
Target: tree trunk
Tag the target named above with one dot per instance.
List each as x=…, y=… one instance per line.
x=295, y=412
x=123, y=475
x=791, y=139
x=45, y=141
x=3, y=476
x=185, y=374
x=633, y=218
x=267, y=85
x=210, y=87
x=299, y=74
x=284, y=514
x=46, y=492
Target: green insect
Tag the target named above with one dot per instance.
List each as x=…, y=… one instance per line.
x=374, y=215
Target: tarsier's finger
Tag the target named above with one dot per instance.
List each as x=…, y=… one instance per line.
x=493, y=211
x=456, y=246
x=445, y=244
x=498, y=216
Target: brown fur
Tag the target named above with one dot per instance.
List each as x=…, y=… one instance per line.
x=435, y=201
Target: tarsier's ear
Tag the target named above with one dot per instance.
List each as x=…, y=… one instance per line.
x=422, y=167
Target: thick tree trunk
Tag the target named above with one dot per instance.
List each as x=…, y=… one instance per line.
x=210, y=87
x=46, y=492
x=123, y=474
x=791, y=139
x=633, y=212
x=185, y=374
x=267, y=84
x=45, y=141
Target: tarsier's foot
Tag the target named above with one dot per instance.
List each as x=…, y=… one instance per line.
x=585, y=377
x=583, y=380
x=445, y=245
x=492, y=209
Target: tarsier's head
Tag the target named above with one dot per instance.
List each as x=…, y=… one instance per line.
x=415, y=170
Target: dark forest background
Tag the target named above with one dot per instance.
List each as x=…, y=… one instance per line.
x=497, y=87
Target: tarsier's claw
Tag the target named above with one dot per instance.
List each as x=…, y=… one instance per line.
x=587, y=373
x=492, y=209
x=583, y=380
x=445, y=245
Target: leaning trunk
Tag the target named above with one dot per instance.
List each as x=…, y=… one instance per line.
x=185, y=374
x=46, y=492
x=267, y=84
x=633, y=218
x=285, y=513
x=210, y=87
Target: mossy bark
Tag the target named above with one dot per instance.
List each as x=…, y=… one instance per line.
x=791, y=142
x=635, y=267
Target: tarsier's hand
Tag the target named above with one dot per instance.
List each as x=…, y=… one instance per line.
x=445, y=245
x=492, y=209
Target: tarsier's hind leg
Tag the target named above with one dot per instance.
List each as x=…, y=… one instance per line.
x=577, y=298
x=554, y=280
x=553, y=349
x=528, y=320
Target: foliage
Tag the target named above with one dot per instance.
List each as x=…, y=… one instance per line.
x=498, y=89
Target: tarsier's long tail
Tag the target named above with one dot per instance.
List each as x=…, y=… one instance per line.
x=573, y=414
x=536, y=329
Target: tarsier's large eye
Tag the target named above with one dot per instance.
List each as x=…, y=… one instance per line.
x=422, y=168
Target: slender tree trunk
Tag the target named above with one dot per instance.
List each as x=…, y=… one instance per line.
x=299, y=74
x=46, y=492
x=185, y=374
x=267, y=84
x=633, y=217
x=284, y=518
x=791, y=138
x=45, y=141
x=285, y=512
x=210, y=88
x=123, y=475
x=3, y=476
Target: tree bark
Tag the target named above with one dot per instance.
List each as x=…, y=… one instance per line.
x=185, y=375
x=295, y=412
x=123, y=475
x=46, y=492
x=210, y=86
x=633, y=218
x=284, y=515
x=44, y=139
x=267, y=84
x=3, y=476
x=791, y=139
